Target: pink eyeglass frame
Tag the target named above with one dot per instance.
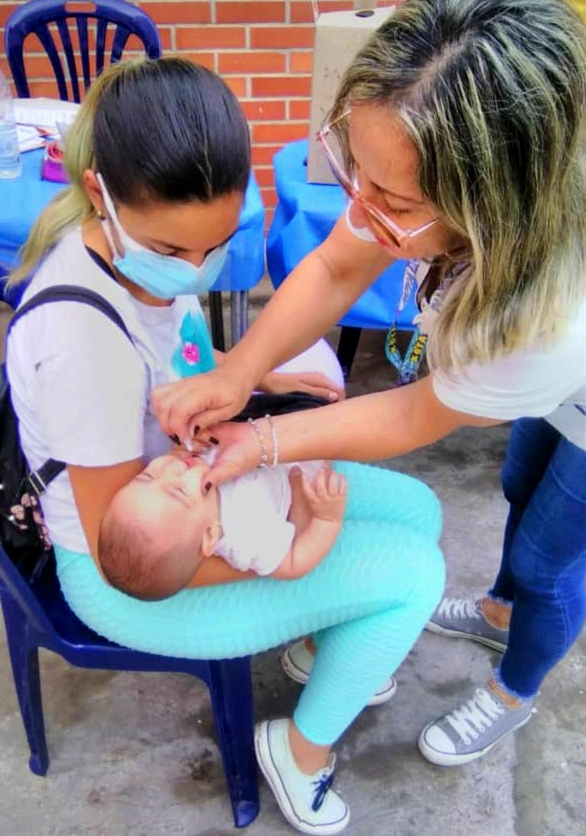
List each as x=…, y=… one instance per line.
x=397, y=236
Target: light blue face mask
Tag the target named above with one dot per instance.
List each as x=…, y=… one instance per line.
x=163, y=276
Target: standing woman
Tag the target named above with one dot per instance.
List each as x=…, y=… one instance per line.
x=159, y=160
x=461, y=142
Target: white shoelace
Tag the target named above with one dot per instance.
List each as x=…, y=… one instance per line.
x=475, y=716
x=459, y=608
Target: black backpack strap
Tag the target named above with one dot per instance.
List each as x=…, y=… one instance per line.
x=70, y=293
x=38, y=480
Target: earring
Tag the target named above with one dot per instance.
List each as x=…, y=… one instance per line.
x=101, y=215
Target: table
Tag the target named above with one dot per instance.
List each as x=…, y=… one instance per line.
x=23, y=199
x=304, y=216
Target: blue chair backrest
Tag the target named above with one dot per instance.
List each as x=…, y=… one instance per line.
x=35, y=18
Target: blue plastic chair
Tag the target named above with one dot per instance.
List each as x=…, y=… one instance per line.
x=36, y=615
x=35, y=18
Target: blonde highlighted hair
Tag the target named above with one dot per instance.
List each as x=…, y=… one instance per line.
x=168, y=130
x=493, y=95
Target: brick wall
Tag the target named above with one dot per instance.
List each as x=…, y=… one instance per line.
x=263, y=48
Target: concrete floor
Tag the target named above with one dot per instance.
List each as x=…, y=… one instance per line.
x=135, y=754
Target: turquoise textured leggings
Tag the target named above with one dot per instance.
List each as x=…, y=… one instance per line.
x=366, y=602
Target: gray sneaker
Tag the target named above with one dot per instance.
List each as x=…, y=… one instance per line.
x=297, y=663
x=463, y=619
x=472, y=730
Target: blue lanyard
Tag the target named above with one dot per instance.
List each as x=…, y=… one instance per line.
x=407, y=365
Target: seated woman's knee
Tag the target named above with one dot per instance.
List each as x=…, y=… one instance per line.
x=423, y=576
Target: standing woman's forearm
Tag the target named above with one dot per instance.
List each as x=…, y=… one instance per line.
x=316, y=294
x=371, y=427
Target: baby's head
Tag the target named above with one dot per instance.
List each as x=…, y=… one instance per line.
x=159, y=528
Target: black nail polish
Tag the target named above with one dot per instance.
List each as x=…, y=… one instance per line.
x=213, y=440
x=206, y=487
x=195, y=430
x=174, y=438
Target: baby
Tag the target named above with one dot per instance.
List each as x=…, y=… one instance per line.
x=279, y=521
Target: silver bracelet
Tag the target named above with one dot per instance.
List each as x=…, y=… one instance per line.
x=274, y=439
x=264, y=456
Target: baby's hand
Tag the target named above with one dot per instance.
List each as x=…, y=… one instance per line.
x=326, y=496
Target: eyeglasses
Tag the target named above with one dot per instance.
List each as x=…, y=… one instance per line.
x=386, y=230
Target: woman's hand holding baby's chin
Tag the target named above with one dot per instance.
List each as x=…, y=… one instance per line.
x=238, y=451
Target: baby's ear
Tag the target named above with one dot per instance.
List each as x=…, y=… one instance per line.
x=211, y=535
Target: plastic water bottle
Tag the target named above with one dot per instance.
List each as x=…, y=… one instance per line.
x=10, y=166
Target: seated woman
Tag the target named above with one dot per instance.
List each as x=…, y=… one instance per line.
x=159, y=160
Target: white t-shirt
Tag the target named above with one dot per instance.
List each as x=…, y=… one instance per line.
x=253, y=511
x=80, y=388
x=536, y=382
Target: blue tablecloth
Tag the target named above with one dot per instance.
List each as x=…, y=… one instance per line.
x=22, y=200
x=304, y=216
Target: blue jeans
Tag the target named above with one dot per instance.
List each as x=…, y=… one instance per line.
x=543, y=567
